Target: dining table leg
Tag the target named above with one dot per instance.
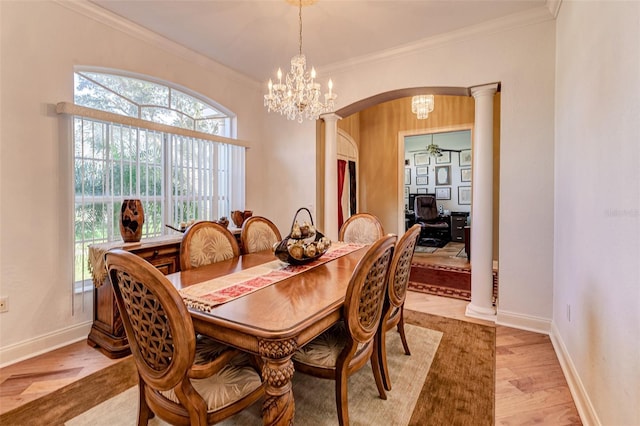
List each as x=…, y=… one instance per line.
x=277, y=371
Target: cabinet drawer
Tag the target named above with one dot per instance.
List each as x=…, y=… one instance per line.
x=458, y=220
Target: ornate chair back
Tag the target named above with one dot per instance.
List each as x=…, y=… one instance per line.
x=393, y=312
x=163, y=344
x=258, y=233
x=347, y=346
x=361, y=228
x=206, y=242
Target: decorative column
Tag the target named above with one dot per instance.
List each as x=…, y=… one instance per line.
x=481, y=305
x=331, y=176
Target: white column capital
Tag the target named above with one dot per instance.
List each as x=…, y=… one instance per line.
x=485, y=89
x=330, y=117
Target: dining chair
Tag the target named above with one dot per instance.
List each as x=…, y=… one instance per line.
x=393, y=310
x=347, y=346
x=361, y=228
x=206, y=242
x=258, y=233
x=182, y=379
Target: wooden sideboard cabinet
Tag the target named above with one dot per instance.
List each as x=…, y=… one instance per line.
x=458, y=222
x=107, y=332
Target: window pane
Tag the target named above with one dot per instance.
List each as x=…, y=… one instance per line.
x=192, y=107
x=94, y=96
x=213, y=126
x=167, y=116
x=140, y=92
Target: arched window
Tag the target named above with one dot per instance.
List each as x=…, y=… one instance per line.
x=184, y=167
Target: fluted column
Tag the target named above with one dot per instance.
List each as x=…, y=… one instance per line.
x=481, y=305
x=331, y=176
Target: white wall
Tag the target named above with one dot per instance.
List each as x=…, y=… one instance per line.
x=41, y=43
x=597, y=207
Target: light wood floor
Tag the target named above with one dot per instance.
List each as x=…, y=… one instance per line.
x=530, y=386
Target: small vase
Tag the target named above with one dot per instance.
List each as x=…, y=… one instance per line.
x=237, y=217
x=131, y=220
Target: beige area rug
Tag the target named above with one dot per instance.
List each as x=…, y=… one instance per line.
x=315, y=398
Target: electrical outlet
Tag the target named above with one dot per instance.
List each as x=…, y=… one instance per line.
x=4, y=304
x=568, y=312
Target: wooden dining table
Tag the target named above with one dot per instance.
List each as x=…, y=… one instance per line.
x=274, y=321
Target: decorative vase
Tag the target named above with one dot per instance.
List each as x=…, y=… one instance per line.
x=239, y=217
x=131, y=220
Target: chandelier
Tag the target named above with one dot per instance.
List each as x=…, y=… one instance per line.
x=434, y=150
x=299, y=96
x=422, y=105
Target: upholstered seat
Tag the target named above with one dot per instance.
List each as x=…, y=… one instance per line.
x=347, y=346
x=361, y=228
x=258, y=233
x=206, y=242
x=393, y=311
x=182, y=380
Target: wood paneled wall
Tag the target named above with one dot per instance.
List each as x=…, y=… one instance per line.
x=376, y=130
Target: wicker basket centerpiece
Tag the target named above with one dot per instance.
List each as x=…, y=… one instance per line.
x=304, y=244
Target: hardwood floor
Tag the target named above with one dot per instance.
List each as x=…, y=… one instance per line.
x=530, y=386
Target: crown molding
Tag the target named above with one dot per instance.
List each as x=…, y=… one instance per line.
x=103, y=16
x=517, y=20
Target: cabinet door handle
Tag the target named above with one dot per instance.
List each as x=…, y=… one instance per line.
x=155, y=253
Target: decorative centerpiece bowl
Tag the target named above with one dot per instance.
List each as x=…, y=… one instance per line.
x=304, y=244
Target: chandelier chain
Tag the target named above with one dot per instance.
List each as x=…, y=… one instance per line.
x=300, y=22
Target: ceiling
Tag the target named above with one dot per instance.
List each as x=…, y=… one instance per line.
x=255, y=37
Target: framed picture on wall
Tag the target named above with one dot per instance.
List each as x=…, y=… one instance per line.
x=464, y=195
x=443, y=193
x=422, y=180
x=445, y=158
x=465, y=157
x=443, y=175
x=406, y=192
x=422, y=171
x=465, y=175
x=407, y=175
x=421, y=191
x=421, y=159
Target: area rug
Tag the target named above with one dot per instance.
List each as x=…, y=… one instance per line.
x=424, y=249
x=315, y=398
x=441, y=280
x=455, y=387
x=460, y=386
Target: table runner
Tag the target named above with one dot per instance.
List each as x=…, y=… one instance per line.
x=206, y=295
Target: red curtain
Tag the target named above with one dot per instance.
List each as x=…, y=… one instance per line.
x=342, y=165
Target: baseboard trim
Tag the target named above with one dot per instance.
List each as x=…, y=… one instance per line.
x=585, y=408
x=44, y=343
x=523, y=322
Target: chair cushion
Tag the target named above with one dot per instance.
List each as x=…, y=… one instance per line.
x=323, y=351
x=361, y=231
x=230, y=384
x=223, y=388
x=260, y=238
x=209, y=246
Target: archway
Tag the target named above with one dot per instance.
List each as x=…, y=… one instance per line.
x=377, y=136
